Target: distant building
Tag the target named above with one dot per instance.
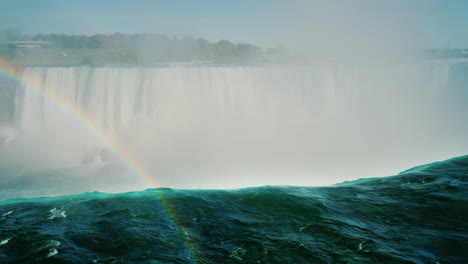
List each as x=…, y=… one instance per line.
x=29, y=44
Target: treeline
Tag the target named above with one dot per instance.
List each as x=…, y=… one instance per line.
x=150, y=48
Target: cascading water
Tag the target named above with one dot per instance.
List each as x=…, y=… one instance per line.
x=230, y=123
x=115, y=96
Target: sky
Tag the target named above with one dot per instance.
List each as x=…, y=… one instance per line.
x=297, y=24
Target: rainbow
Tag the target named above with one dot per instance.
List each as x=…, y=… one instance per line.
x=14, y=73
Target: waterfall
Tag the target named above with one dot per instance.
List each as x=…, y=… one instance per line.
x=299, y=122
x=113, y=97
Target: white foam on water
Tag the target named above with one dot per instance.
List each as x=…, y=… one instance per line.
x=52, y=244
x=5, y=241
x=7, y=213
x=52, y=252
x=57, y=213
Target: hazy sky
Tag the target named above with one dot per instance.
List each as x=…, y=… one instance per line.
x=294, y=23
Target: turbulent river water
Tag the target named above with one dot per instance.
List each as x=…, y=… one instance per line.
x=419, y=216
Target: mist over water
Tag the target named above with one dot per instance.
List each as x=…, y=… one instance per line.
x=232, y=126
